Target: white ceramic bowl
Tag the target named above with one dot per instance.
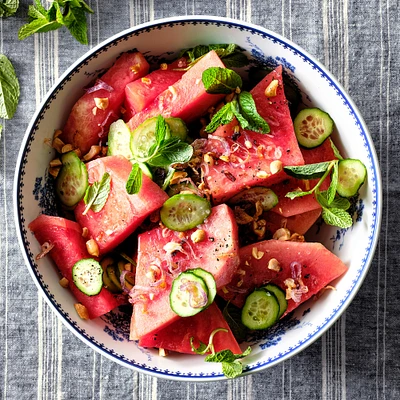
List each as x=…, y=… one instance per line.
x=33, y=195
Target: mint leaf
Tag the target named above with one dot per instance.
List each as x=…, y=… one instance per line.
x=298, y=193
x=75, y=21
x=308, y=171
x=337, y=217
x=335, y=150
x=37, y=26
x=221, y=117
x=331, y=192
x=161, y=130
x=8, y=8
x=134, y=182
x=172, y=151
x=338, y=202
x=249, y=111
x=9, y=88
x=202, y=349
x=232, y=369
x=221, y=80
x=236, y=111
x=97, y=194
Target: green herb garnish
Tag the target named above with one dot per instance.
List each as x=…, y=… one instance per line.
x=217, y=80
x=333, y=206
x=8, y=8
x=231, y=366
x=97, y=194
x=249, y=112
x=68, y=13
x=231, y=54
x=134, y=182
x=9, y=88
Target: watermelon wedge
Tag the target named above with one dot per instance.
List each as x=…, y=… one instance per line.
x=287, y=207
x=176, y=336
x=187, y=99
x=163, y=253
x=122, y=212
x=310, y=265
x=68, y=248
x=246, y=161
x=92, y=115
x=140, y=93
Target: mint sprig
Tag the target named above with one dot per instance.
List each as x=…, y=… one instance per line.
x=217, y=80
x=249, y=112
x=97, y=194
x=68, y=13
x=135, y=178
x=333, y=206
x=9, y=88
x=8, y=8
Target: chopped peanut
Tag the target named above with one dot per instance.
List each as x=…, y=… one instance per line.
x=64, y=282
x=93, y=152
x=198, y=236
x=261, y=174
x=85, y=232
x=224, y=158
x=81, y=310
x=53, y=171
x=57, y=133
x=92, y=248
x=101, y=102
x=275, y=167
x=177, y=176
x=162, y=352
x=57, y=144
x=46, y=247
x=271, y=89
x=282, y=234
x=55, y=163
x=273, y=264
x=258, y=255
x=208, y=159
x=66, y=148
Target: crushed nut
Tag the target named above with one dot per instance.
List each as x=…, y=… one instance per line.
x=55, y=163
x=241, y=271
x=225, y=290
x=66, y=148
x=208, y=158
x=173, y=91
x=78, y=152
x=162, y=352
x=101, y=102
x=273, y=264
x=275, y=167
x=146, y=81
x=64, y=282
x=281, y=234
x=57, y=133
x=271, y=89
x=198, y=236
x=262, y=174
x=163, y=66
x=258, y=255
x=94, y=110
x=240, y=283
x=53, y=171
x=93, y=152
x=81, y=310
x=296, y=237
x=224, y=158
x=57, y=144
x=248, y=144
x=85, y=232
x=92, y=248
x=151, y=296
x=135, y=68
x=46, y=247
x=241, y=216
x=177, y=176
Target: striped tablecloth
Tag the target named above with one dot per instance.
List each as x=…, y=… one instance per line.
x=359, y=357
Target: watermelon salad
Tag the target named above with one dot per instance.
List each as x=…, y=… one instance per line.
x=186, y=191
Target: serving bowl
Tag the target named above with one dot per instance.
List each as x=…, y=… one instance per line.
x=33, y=193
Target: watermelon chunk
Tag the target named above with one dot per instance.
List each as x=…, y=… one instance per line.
x=176, y=337
x=252, y=153
x=287, y=207
x=140, y=93
x=87, y=124
x=122, y=212
x=298, y=223
x=315, y=265
x=172, y=252
x=187, y=99
x=69, y=248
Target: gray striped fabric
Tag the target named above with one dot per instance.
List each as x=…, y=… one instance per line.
x=359, y=357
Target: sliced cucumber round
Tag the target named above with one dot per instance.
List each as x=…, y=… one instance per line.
x=280, y=296
x=189, y=294
x=177, y=127
x=119, y=140
x=312, y=126
x=352, y=174
x=266, y=196
x=209, y=280
x=72, y=180
x=184, y=211
x=87, y=274
x=260, y=311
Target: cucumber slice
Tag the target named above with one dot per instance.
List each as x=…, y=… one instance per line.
x=266, y=196
x=119, y=140
x=184, y=211
x=143, y=137
x=312, y=126
x=209, y=280
x=113, y=274
x=280, y=295
x=260, y=311
x=87, y=274
x=72, y=180
x=107, y=282
x=352, y=174
x=189, y=294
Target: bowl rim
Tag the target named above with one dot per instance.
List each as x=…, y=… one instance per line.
x=238, y=24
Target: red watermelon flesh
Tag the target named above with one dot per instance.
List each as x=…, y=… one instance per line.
x=69, y=248
x=87, y=124
x=287, y=207
x=186, y=99
x=299, y=223
x=140, y=93
x=176, y=337
x=251, y=155
x=122, y=212
x=172, y=252
x=315, y=265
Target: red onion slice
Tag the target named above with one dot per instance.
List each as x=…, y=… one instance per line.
x=98, y=86
x=197, y=296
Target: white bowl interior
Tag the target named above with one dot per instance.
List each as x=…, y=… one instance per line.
x=354, y=246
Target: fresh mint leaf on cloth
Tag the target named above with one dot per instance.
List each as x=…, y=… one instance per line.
x=9, y=88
